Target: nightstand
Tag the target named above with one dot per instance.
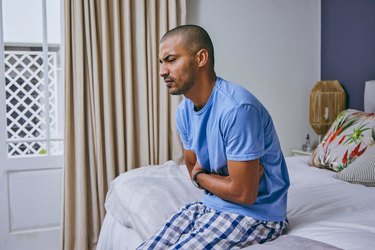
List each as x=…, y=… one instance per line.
x=297, y=152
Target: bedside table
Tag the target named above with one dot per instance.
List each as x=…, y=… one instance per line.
x=297, y=152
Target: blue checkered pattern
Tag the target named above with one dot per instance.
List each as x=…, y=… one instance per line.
x=196, y=226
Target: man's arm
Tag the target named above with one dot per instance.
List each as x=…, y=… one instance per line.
x=241, y=186
x=190, y=161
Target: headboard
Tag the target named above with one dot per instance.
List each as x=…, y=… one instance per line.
x=369, y=101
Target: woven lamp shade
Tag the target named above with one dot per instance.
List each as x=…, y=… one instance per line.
x=327, y=100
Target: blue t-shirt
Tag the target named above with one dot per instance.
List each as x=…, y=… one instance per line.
x=234, y=125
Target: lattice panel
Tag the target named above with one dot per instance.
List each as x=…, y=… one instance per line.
x=26, y=103
x=27, y=148
x=55, y=128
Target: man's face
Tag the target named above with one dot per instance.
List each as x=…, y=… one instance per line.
x=177, y=66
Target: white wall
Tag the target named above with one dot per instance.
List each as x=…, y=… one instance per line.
x=272, y=48
x=23, y=25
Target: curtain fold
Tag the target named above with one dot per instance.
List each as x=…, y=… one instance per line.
x=119, y=116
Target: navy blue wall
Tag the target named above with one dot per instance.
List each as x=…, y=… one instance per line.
x=348, y=45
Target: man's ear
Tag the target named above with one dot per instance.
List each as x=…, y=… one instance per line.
x=202, y=57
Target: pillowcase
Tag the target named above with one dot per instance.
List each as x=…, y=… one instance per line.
x=347, y=139
x=144, y=198
x=362, y=171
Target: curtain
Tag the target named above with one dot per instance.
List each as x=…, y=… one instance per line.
x=119, y=115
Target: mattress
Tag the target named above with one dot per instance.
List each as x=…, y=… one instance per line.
x=323, y=211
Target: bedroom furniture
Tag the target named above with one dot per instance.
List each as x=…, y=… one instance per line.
x=326, y=209
x=327, y=100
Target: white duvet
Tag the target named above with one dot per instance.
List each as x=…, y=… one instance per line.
x=320, y=207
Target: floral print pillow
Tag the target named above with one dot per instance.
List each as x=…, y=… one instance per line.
x=348, y=138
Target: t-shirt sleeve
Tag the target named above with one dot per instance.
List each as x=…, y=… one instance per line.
x=243, y=133
x=183, y=129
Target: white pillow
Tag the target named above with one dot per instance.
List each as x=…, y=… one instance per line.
x=362, y=170
x=144, y=198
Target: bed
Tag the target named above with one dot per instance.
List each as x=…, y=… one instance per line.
x=326, y=209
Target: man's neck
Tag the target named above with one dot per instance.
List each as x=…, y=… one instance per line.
x=202, y=92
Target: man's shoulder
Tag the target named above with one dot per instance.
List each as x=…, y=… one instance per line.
x=232, y=96
x=182, y=109
x=183, y=104
x=227, y=86
x=235, y=92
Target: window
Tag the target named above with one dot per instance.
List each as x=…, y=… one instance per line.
x=34, y=99
x=34, y=125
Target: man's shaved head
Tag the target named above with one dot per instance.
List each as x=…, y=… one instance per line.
x=194, y=38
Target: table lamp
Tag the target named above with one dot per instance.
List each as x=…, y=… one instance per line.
x=327, y=100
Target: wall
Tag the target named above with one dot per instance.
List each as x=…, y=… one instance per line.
x=24, y=25
x=348, y=45
x=272, y=48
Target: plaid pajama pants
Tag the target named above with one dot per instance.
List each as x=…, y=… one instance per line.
x=196, y=226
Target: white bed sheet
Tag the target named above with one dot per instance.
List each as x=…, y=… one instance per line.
x=323, y=208
x=320, y=207
x=114, y=236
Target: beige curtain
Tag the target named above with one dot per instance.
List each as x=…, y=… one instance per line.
x=119, y=115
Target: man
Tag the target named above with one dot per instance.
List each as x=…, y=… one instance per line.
x=231, y=150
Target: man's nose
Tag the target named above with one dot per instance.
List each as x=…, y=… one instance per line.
x=163, y=72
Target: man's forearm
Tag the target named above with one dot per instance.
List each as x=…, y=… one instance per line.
x=225, y=188
x=190, y=161
x=190, y=169
x=240, y=186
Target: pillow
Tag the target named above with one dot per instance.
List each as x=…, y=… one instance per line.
x=362, y=171
x=347, y=139
x=144, y=198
